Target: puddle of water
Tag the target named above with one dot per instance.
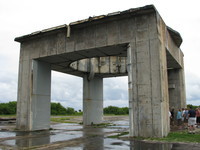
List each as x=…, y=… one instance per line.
x=28, y=139
x=140, y=145
x=33, y=133
x=65, y=136
x=100, y=143
x=116, y=144
x=123, y=123
x=27, y=142
x=5, y=134
x=72, y=148
x=119, y=126
x=94, y=138
x=41, y=138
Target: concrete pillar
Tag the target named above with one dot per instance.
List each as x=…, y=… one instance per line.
x=148, y=89
x=177, y=98
x=34, y=88
x=92, y=100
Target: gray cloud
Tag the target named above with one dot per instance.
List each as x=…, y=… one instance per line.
x=116, y=88
x=67, y=90
x=192, y=88
x=8, y=86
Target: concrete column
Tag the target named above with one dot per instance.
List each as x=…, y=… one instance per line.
x=148, y=89
x=34, y=88
x=92, y=100
x=177, y=98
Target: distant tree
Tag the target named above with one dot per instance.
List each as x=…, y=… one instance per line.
x=193, y=106
x=8, y=108
x=110, y=110
x=12, y=107
x=58, y=109
x=116, y=110
x=70, y=111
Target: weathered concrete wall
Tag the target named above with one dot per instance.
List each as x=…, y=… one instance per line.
x=163, y=76
x=176, y=78
x=92, y=100
x=41, y=95
x=23, y=97
x=176, y=89
x=111, y=33
x=149, y=105
x=101, y=65
x=50, y=44
x=33, y=103
x=169, y=42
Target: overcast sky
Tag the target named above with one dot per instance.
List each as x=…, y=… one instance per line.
x=21, y=17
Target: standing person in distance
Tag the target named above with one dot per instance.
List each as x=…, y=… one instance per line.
x=191, y=121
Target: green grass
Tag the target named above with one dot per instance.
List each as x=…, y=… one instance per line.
x=183, y=136
x=102, y=125
x=115, y=115
x=7, y=116
x=62, y=120
x=118, y=135
x=76, y=114
x=179, y=137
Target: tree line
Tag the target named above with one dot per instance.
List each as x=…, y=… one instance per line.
x=57, y=109
x=10, y=108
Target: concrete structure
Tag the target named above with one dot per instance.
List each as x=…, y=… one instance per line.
x=135, y=42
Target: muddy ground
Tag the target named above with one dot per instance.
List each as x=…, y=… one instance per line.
x=72, y=136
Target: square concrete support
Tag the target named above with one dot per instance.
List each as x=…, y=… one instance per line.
x=177, y=98
x=92, y=100
x=33, y=104
x=148, y=89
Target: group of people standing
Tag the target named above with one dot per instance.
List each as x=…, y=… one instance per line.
x=186, y=119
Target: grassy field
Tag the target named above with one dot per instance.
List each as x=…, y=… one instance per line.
x=62, y=119
x=7, y=116
x=183, y=136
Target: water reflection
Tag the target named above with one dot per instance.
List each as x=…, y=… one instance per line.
x=5, y=134
x=32, y=138
x=89, y=138
x=140, y=145
x=95, y=138
x=65, y=135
